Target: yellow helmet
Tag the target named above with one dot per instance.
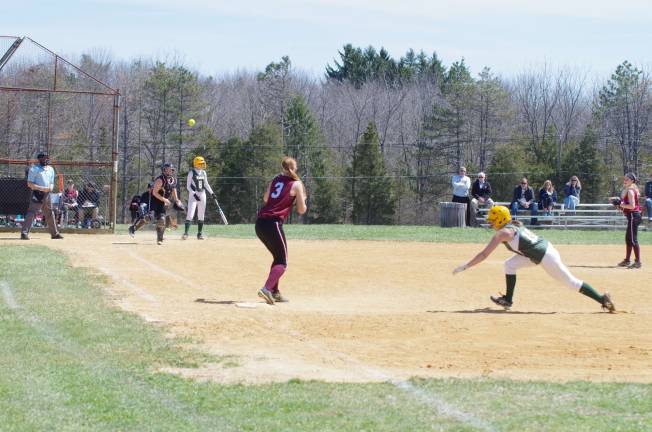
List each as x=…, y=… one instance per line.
x=499, y=216
x=199, y=163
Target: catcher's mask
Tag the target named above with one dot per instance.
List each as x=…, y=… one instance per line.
x=499, y=216
x=199, y=163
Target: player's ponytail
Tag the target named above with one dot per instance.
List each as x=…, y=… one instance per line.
x=290, y=167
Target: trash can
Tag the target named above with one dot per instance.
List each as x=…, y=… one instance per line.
x=452, y=214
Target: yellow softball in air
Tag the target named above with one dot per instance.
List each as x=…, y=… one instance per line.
x=191, y=122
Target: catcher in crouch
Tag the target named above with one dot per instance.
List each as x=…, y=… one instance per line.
x=164, y=196
x=197, y=185
x=529, y=249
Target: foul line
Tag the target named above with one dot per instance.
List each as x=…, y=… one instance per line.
x=135, y=288
x=8, y=296
x=440, y=405
x=83, y=355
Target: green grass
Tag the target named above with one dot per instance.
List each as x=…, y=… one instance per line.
x=72, y=362
x=413, y=233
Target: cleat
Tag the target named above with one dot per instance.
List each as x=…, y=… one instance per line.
x=278, y=297
x=501, y=301
x=266, y=295
x=132, y=231
x=159, y=242
x=200, y=236
x=607, y=304
x=635, y=265
x=184, y=236
x=24, y=236
x=624, y=263
x=57, y=236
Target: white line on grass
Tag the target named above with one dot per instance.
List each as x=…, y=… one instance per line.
x=86, y=356
x=8, y=295
x=440, y=405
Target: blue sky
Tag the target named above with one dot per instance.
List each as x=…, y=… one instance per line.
x=216, y=37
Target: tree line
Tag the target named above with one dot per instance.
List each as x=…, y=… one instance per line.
x=376, y=138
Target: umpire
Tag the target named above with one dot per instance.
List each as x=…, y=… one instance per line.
x=40, y=179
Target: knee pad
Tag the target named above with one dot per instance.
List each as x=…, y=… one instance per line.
x=160, y=222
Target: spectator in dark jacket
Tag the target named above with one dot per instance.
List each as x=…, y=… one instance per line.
x=480, y=194
x=648, y=198
x=547, y=197
x=523, y=198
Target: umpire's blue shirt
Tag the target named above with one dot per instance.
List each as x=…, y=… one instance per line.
x=41, y=175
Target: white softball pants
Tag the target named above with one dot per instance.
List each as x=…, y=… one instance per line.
x=551, y=263
x=196, y=204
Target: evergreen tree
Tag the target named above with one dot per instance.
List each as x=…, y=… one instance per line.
x=584, y=162
x=506, y=171
x=372, y=191
x=305, y=142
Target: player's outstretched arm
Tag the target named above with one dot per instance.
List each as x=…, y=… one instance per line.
x=500, y=236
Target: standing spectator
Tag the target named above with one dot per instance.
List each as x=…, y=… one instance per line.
x=481, y=193
x=572, y=191
x=547, y=197
x=648, y=198
x=461, y=185
x=524, y=199
x=40, y=179
x=632, y=210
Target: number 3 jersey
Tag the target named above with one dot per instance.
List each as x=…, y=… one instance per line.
x=279, y=203
x=527, y=243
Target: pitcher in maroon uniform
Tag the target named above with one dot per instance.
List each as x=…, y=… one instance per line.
x=632, y=210
x=285, y=190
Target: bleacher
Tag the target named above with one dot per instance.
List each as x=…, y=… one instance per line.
x=585, y=216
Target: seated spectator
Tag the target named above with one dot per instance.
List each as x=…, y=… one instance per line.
x=648, y=198
x=69, y=199
x=572, y=192
x=547, y=197
x=89, y=202
x=481, y=193
x=461, y=185
x=523, y=198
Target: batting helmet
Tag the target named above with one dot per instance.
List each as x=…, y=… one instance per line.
x=199, y=162
x=499, y=216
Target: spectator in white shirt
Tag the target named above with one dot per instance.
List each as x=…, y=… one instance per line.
x=461, y=185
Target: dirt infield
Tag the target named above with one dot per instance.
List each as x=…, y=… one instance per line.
x=372, y=311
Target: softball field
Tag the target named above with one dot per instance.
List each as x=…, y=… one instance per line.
x=364, y=311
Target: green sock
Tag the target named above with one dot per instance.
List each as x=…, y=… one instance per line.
x=511, y=284
x=187, y=226
x=588, y=291
x=200, y=226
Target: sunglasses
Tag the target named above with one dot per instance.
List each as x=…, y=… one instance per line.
x=523, y=183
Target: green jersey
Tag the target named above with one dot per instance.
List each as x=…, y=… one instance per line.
x=527, y=243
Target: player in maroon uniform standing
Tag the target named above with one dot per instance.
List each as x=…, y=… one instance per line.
x=632, y=210
x=283, y=192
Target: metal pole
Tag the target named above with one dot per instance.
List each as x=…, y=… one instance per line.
x=114, y=159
